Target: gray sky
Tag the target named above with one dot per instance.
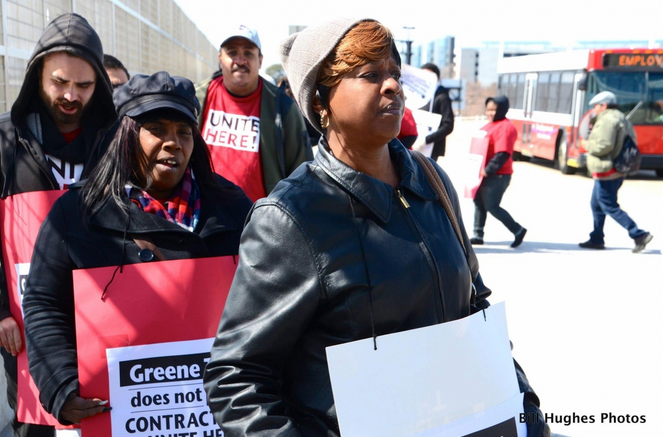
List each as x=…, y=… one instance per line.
x=470, y=21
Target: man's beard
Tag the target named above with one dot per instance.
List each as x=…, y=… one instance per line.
x=59, y=117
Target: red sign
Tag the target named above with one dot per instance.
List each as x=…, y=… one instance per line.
x=160, y=302
x=21, y=216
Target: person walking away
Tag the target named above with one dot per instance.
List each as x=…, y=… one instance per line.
x=603, y=145
x=441, y=104
x=53, y=136
x=497, y=173
x=255, y=132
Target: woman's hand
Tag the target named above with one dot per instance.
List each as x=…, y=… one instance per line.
x=483, y=173
x=77, y=408
x=10, y=336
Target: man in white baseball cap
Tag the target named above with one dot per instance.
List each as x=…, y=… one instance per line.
x=604, y=143
x=256, y=135
x=603, y=97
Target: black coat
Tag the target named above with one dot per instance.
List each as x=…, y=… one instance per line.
x=442, y=106
x=329, y=256
x=67, y=241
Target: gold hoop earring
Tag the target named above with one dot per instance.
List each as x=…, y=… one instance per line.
x=324, y=119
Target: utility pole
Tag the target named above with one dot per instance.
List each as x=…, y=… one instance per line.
x=408, y=45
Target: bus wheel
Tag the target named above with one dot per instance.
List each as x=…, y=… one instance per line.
x=659, y=172
x=561, y=163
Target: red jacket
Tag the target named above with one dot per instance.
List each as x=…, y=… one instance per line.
x=502, y=135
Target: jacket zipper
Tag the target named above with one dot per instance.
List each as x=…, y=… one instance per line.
x=402, y=198
x=422, y=243
x=50, y=177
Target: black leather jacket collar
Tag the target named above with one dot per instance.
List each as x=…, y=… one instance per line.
x=376, y=195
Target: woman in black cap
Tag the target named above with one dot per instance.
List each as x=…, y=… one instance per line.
x=153, y=196
x=351, y=246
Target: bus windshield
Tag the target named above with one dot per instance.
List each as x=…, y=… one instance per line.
x=639, y=94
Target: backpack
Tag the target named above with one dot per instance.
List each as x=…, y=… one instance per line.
x=628, y=159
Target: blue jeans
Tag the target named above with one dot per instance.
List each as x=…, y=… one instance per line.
x=604, y=202
x=487, y=200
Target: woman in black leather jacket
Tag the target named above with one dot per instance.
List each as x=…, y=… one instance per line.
x=153, y=196
x=352, y=245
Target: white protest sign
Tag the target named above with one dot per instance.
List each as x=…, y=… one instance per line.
x=418, y=85
x=423, y=379
x=427, y=123
x=157, y=389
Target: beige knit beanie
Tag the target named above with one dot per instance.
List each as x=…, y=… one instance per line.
x=302, y=55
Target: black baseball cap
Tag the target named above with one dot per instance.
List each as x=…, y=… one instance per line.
x=145, y=93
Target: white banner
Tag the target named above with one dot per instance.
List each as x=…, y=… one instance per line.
x=418, y=85
x=427, y=123
x=424, y=380
x=157, y=389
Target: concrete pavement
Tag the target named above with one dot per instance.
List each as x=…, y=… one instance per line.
x=5, y=411
x=585, y=324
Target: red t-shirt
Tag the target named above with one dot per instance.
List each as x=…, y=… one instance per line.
x=502, y=135
x=71, y=136
x=231, y=129
x=66, y=173
x=408, y=125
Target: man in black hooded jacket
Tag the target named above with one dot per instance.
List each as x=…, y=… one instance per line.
x=55, y=133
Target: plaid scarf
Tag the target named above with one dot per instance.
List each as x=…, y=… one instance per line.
x=183, y=208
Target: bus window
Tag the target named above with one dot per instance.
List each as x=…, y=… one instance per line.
x=517, y=103
x=541, y=102
x=629, y=87
x=512, y=90
x=506, y=86
x=553, y=92
x=566, y=92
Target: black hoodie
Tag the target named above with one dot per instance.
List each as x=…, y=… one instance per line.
x=502, y=103
x=23, y=130
x=23, y=166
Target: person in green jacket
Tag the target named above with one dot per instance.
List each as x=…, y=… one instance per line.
x=603, y=145
x=255, y=132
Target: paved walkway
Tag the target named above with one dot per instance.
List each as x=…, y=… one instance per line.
x=5, y=411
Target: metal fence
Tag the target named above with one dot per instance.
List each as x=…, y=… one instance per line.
x=146, y=35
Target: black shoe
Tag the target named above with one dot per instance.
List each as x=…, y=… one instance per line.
x=589, y=244
x=476, y=241
x=519, y=237
x=641, y=242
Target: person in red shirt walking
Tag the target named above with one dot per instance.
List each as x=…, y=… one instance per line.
x=497, y=173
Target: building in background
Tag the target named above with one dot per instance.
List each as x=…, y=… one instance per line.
x=439, y=52
x=146, y=35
